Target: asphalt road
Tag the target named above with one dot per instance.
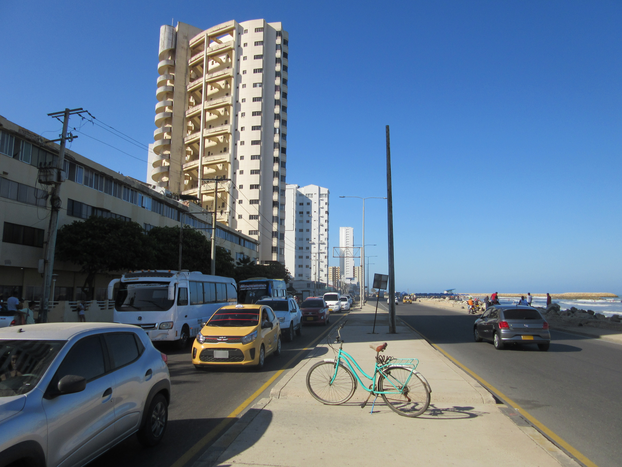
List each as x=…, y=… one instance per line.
x=574, y=389
x=202, y=400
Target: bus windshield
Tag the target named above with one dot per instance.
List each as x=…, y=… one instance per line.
x=250, y=292
x=143, y=296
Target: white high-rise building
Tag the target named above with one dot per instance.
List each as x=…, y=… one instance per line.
x=306, y=232
x=222, y=115
x=346, y=245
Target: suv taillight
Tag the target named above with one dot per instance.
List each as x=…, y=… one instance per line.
x=504, y=325
x=545, y=325
x=164, y=357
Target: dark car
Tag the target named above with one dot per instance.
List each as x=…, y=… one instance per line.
x=315, y=310
x=512, y=324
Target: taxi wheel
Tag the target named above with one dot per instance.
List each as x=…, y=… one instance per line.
x=262, y=358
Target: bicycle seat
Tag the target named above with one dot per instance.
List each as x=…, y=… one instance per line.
x=379, y=348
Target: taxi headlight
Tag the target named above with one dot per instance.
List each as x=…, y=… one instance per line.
x=249, y=338
x=166, y=325
x=200, y=338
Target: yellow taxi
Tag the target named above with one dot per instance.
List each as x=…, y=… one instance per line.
x=238, y=335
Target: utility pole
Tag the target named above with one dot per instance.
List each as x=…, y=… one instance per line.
x=215, y=180
x=392, y=324
x=55, y=204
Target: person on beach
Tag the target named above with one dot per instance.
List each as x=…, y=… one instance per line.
x=486, y=302
x=548, y=300
x=522, y=300
x=529, y=298
x=494, y=298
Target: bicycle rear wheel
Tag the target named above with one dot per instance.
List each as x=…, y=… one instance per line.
x=319, y=383
x=414, y=393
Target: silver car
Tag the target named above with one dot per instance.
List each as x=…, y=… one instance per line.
x=512, y=324
x=71, y=391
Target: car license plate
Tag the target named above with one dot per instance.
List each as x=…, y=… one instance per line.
x=221, y=354
x=309, y=318
x=527, y=338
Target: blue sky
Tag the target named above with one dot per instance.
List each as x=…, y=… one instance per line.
x=505, y=120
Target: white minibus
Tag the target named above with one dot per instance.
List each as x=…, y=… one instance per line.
x=170, y=305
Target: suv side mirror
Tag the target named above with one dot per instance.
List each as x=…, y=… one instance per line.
x=71, y=384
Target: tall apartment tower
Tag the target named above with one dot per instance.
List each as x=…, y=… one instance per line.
x=306, y=232
x=222, y=115
x=346, y=245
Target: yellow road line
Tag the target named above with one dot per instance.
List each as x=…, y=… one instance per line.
x=194, y=450
x=534, y=421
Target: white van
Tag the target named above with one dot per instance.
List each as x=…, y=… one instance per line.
x=333, y=300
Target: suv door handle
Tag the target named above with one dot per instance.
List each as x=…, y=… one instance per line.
x=148, y=375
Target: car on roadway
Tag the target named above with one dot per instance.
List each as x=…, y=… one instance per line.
x=511, y=324
x=241, y=335
x=345, y=303
x=315, y=310
x=396, y=300
x=71, y=391
x=333, y=300
x=289, y=314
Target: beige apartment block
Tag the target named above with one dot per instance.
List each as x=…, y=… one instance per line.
x=221, y=124
x=89, y=189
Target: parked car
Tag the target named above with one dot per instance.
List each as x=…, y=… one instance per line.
x=511, y=324
x=315, y=310
x=345, y=303
x=333, y=301
x=290, y=316
x=238, y=335
x=71, y=391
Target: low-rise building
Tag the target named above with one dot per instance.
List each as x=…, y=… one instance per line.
x=88, y=189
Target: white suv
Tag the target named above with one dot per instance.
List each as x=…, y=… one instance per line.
x=289, y=314
x=71, y=391
x=333, y=300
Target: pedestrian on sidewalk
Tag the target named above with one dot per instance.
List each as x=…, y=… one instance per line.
x=81, y=310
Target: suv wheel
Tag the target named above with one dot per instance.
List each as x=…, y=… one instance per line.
x=290, y=332
x=155, y=425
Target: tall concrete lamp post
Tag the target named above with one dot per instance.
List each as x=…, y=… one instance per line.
x=362, y=260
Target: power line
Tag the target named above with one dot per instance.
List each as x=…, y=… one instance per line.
x=110, y=145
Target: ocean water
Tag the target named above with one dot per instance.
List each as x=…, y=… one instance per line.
x=605, y=307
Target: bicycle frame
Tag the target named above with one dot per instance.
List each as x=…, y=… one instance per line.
x=343, y=356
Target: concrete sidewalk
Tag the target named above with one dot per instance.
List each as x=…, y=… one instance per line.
x=463, y=425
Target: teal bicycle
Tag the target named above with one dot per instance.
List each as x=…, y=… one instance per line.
x=403, y=388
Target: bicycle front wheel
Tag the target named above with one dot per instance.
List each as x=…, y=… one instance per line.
x=408, y=392
x=319, y=384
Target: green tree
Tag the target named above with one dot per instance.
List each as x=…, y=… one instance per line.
x=196, y=251
x=245, y=269
x=101, y=245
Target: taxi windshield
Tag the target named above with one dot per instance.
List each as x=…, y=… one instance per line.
x=235, y=317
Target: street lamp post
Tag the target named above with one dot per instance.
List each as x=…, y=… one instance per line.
x=363, y=242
